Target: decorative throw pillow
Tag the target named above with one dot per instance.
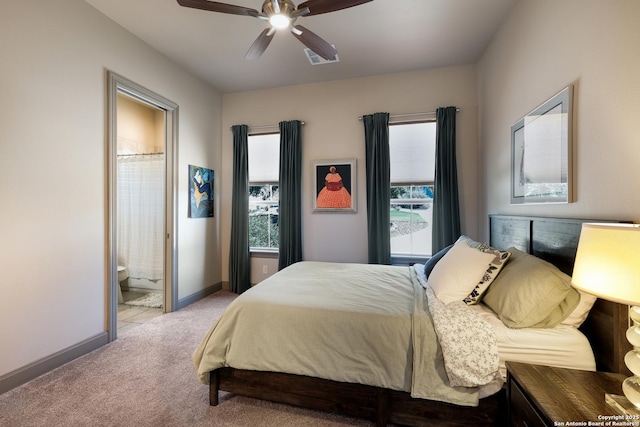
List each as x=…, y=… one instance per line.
x=428, y=266
x=531, y=293
x=499, y=260
x=458, y=272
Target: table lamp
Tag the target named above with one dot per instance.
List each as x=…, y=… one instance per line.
x=608, y=266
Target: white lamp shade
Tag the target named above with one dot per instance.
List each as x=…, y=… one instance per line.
x=608, y=262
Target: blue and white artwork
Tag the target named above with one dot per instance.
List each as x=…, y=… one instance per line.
x=200, y=192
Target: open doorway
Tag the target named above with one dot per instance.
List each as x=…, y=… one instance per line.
x=140, y=192
x=142, y=146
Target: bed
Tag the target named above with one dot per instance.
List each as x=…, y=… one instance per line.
x=386, y=382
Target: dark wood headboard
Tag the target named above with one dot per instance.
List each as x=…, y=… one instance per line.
x=556, y=240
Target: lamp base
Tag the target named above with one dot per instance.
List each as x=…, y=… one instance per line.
x=621, y=405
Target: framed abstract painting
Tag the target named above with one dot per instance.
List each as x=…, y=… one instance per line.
x=200, y=192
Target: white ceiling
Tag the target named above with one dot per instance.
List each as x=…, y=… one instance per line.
x=379, y=37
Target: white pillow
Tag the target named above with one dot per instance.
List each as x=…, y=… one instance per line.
x=579, y=315
x=458, y=272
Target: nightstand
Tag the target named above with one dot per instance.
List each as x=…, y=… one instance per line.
x=546, y=396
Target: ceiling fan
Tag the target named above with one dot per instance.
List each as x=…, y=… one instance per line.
x=281, y=14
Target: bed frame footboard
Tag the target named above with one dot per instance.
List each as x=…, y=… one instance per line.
x=377, y=404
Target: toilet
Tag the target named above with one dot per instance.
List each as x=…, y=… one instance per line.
x=123, y=275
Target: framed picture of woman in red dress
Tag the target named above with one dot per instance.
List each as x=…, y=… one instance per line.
x=334, y=185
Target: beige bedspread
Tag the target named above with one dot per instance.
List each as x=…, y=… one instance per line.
x=355, y=323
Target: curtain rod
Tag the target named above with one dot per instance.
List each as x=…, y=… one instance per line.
x=427, y=113
x=263, y=126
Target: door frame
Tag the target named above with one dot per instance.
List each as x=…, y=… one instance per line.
x=119, y=84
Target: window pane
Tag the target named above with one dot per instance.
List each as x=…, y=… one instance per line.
x=263, y=226
x=411, y=228
x=259, y=193
x=399, y=192
x=258, y=228
x=411, y=193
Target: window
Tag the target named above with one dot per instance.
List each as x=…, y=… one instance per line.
x=264, y=164
x=412, y=150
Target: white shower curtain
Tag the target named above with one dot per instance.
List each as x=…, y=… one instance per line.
x=141, y=215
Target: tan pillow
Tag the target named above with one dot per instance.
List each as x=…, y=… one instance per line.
x=458, y=272
x=531, y=293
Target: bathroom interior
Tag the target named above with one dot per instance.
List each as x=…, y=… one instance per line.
x=140, y=207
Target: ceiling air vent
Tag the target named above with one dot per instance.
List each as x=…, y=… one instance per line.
x=316, y=59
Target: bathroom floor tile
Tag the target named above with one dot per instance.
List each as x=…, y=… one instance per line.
x=145, y=315
x=131, y=316
x=126, y=326
x=128, y=311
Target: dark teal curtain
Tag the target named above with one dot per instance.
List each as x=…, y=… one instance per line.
x=239, y=256
x=290, y=207
x=376, y=136
x=446, y=206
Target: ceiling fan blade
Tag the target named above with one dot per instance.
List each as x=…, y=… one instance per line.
x=214, y=6
x=314, y=42
x=316, y=7
x=260, y=45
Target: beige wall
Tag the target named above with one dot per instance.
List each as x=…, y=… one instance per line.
x=542, y=47
x=332, y=131
x=140, y=127
x=53, y=179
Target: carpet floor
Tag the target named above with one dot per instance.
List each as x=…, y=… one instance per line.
x=146, y=378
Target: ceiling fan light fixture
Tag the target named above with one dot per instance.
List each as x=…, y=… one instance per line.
x=279, y=21
x=282, y=14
